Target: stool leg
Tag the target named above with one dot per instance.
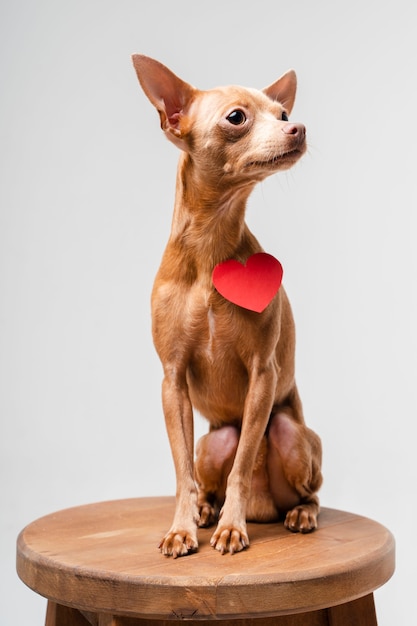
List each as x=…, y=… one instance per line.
x=359, y=612
x=59, y=615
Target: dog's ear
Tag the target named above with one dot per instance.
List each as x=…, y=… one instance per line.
x=284, y=90
x=169, y=94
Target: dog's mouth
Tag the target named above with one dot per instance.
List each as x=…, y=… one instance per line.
x=283, y=157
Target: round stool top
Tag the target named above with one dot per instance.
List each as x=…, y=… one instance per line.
x=104, y=558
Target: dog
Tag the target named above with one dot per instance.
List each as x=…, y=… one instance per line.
x=231, y=363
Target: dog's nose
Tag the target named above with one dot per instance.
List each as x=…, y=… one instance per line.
x=294, y=129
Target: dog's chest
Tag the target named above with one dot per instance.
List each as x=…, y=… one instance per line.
x=216, y=373
x=210, y=346
x=213, y=333
x=196, y=322
x=214, y=343
x=216, y=352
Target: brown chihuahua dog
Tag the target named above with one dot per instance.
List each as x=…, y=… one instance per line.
x=234, y=365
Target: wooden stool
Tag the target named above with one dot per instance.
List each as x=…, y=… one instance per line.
x=99, y=565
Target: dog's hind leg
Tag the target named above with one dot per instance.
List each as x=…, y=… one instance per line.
x=215, y=453
x=294, y=469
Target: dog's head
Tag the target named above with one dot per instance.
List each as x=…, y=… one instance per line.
x=230, y=132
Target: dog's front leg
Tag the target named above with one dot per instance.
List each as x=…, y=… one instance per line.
x=182, y=536
x=231, y=534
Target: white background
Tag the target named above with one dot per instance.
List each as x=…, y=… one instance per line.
x=86, y=199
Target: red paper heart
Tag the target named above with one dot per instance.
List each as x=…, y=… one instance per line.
x=251, y=286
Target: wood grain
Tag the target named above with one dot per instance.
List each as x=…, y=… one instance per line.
x=103, y=559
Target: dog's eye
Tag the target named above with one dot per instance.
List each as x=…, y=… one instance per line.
x=284, y=117
x=236, y=117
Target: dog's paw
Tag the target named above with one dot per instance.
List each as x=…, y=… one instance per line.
x=208, y=515
x=229, y=539
x=301, y=519
x=178, y=543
